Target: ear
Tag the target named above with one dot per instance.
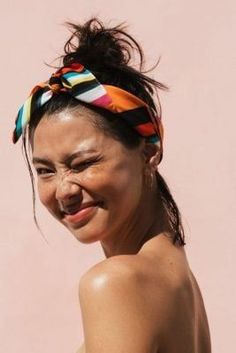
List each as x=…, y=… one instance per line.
x=151, y=153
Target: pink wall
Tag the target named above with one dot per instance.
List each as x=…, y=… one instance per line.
x=196, y=39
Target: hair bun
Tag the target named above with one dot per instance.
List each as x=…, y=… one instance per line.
x=95, y=46
x=107, y=53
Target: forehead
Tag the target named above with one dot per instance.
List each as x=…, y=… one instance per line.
x=69, y=130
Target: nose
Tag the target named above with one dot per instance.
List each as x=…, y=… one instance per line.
x=67, y=187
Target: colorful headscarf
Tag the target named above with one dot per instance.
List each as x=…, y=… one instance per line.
x=78, y=81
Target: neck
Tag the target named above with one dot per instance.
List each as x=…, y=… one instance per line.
x=146, y=223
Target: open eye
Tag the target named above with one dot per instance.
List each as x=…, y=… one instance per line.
x=44, y=172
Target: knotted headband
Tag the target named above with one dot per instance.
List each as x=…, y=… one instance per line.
x=76, y=80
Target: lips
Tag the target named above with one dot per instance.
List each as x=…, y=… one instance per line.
x=75, y=207
x=76, y=214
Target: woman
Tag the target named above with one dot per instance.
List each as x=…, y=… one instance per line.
x=96, y=140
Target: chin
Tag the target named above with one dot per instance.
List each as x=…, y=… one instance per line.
x=85, y=236
x=96, y=226
x=90, y=231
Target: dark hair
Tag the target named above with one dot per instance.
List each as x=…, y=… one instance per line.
x=107, y=53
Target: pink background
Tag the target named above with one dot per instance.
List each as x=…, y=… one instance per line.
x=196, y=39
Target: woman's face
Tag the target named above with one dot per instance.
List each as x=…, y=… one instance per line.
x=87, y=180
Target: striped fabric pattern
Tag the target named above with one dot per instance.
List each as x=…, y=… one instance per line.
x=83, y=85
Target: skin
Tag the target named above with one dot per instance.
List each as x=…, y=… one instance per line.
x=143, y=293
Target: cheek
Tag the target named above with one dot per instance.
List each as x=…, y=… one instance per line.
x=118, y=182
x=45, y=192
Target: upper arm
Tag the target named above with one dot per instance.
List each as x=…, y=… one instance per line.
x=115, y=313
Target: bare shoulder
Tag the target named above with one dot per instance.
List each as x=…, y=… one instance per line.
x=113, y=280
x=115, y=308
x=117, y=268
x=146, y=296
x=140, y=275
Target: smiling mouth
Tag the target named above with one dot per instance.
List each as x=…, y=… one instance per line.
x=75, y=215
x=74, y=208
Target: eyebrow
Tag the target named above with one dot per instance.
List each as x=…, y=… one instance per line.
x=41, y=161
x=67, y=160
x=70, y=158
